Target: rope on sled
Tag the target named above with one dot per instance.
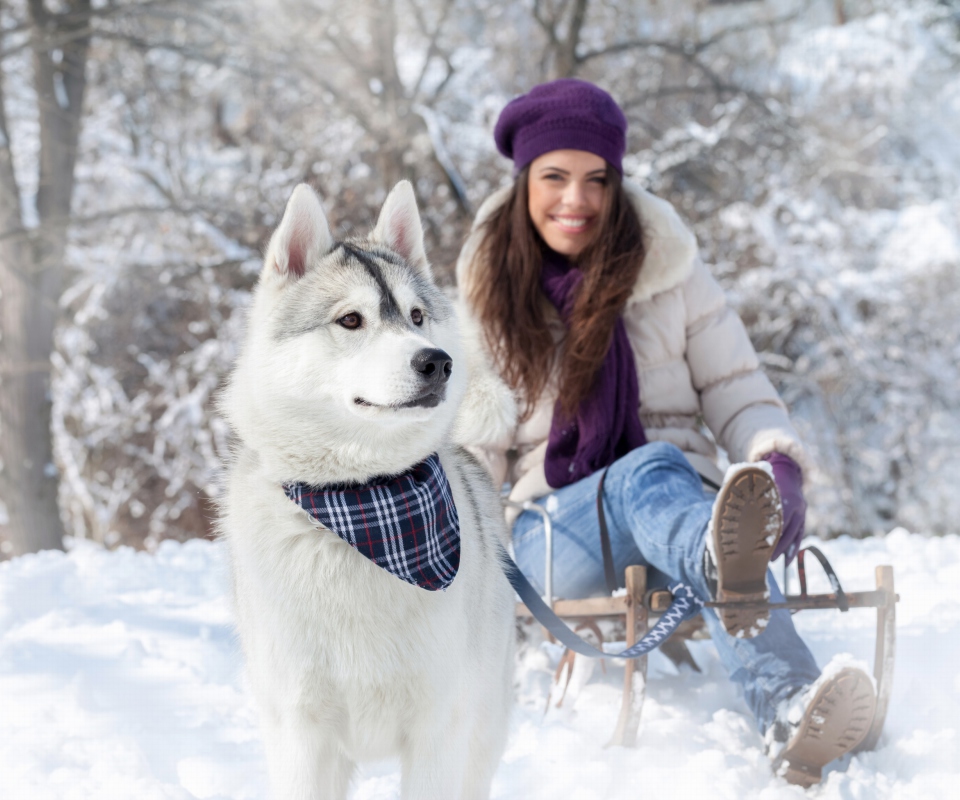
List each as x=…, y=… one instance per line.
x=842, y=602
x=685, y=605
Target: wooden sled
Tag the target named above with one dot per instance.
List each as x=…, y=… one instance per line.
x=637, y=605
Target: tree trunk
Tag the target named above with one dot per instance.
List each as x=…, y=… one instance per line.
x=395, y=120
x=841, y=12
x=565, y=63
x=32, y=276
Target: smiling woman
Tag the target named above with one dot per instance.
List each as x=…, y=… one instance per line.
x=620, y=348
x=567, y=205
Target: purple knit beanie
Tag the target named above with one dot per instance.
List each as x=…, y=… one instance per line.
x=565, y=114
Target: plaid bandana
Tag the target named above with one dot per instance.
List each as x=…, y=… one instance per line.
x=406, y=524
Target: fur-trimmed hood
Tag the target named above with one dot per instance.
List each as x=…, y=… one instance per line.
x=671, y=247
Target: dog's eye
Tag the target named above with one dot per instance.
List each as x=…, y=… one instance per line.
x=350, y=321
x=417, y=316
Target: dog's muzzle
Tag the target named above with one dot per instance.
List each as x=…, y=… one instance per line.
x=435, y=367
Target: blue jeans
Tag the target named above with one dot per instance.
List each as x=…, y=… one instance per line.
x=658, y=515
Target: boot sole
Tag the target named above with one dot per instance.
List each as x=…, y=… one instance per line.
x=837, y=720
x=746, y=525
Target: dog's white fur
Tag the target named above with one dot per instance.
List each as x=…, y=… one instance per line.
x=347, y=662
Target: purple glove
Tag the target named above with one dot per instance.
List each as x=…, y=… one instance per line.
x=789, y=480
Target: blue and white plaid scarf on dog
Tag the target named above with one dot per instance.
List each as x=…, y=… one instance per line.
x=407, y=524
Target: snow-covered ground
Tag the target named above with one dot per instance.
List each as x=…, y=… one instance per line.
x=120, y=677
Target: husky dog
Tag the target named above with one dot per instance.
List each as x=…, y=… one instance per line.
x=352, y=369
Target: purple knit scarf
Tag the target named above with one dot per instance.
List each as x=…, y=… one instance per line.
x=607, y=424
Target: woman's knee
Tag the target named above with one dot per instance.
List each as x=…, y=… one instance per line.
x=658, y=456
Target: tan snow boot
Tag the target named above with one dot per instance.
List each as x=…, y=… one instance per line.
x=746, y=524
x=836, y=719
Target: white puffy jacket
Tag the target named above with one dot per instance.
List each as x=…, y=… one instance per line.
x=695, y=363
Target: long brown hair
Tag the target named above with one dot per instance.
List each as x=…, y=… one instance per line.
x=515, y=314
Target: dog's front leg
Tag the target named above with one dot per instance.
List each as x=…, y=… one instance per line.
x=433, y=763
x=305, y=765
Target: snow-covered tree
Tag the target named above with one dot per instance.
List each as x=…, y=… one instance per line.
x=806, y=141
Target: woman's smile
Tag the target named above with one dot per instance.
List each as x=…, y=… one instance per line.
x=572, y=224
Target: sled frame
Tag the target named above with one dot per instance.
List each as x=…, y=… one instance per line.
x=637, y=605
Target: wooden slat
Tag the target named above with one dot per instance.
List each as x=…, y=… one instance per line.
x=884, y=655
x=875, y=599
x=659, y=601
x=634, y=670
x=588, y=607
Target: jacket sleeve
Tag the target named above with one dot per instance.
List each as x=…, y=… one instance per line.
x=740, y=405
x=487, y=419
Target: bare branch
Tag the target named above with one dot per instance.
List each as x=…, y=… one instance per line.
x=629, y=44
x=72, y=24
x=688, y=51
x=351, y=55
x=433, y=48
x=752, y=26
x=691, y=47
x=721, y=86
x=113, y=213
x=346, y=103
x=199, y=55
x=451, y=71
x=549, y=26
x=420, y=18
x=10, y=210
x=671, y=91
x=443, y=157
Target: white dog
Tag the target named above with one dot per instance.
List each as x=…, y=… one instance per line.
x=351, y=374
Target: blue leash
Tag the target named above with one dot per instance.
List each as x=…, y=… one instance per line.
x=685, y=605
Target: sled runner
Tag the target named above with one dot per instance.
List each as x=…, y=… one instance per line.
x=637, y=608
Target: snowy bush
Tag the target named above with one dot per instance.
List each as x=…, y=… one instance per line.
x=817, y=162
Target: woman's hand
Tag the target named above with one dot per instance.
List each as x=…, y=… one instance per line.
x=789, y=479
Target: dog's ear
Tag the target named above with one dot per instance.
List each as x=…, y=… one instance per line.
x=399, y=227
x=302, y=236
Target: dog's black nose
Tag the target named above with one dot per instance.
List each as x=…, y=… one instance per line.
x=433, y=364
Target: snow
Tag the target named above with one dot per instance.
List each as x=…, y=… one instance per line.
x=120, y=677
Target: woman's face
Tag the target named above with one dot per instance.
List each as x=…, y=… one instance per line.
x=565, y=196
